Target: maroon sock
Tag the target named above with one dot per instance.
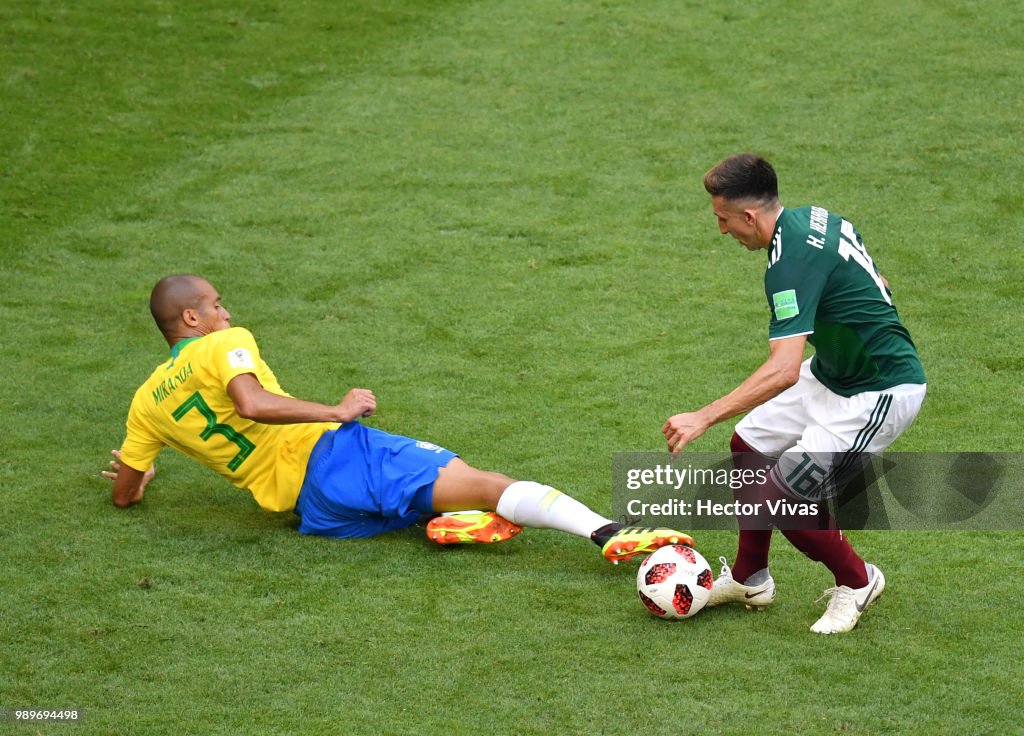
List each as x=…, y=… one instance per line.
x=830, y=547
x=825, y=543
x=752, y=552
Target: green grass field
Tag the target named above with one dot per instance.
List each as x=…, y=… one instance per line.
x=491, y=213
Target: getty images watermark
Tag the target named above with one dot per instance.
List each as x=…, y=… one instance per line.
x=756, y=501
x=913, y=491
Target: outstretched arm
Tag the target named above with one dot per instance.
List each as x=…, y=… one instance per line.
x=252, y=401
x=779, y=372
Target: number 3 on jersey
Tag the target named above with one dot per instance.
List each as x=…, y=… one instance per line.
x=851, y=247
x=244, y=444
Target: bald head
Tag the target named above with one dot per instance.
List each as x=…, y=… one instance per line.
x=184, y=305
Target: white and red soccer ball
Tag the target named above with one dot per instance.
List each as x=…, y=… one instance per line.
x=674, y=582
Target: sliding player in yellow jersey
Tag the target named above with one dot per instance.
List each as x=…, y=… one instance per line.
x=217, y=401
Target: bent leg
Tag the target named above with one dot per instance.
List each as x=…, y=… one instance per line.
x=460, y=487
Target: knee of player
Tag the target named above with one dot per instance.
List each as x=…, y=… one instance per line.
x=471, y=485
x=496, y=484
x=490, y=487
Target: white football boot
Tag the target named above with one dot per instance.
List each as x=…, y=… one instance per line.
x=847, y=604
x=756, y=593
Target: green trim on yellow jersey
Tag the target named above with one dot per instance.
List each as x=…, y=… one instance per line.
x=177, y=347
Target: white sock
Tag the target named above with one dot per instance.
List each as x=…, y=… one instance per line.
x=531, y=504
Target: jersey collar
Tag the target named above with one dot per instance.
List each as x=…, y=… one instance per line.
x=177, y=347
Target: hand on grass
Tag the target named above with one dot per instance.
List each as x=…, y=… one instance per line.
x=115, y=466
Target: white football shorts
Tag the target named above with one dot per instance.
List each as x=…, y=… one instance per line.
x=809, y=429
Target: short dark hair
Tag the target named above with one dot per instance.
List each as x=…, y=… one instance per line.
x=743, y=176
x=172, y=295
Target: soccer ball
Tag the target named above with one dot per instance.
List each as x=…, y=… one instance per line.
x=674, y=582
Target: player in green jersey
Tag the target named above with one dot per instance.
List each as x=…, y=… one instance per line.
x=808, y=419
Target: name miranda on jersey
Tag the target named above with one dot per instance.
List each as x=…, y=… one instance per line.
x=167, y=386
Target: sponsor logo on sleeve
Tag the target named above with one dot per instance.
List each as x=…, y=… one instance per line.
x=785, y=304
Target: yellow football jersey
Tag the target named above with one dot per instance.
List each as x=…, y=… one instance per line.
x=185, y=404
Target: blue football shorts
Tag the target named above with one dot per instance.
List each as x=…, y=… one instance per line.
x=361, y=481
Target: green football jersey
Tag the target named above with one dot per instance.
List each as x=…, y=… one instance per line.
x=822, y=283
